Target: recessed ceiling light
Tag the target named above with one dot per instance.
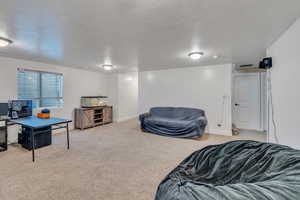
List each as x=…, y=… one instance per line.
x=215, y=56
x=107, y=67
x=4, y=42
x=196, y=55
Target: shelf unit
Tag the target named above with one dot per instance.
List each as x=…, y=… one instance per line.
x=98, y=116
x=91, y=117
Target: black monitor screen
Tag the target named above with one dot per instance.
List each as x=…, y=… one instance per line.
x=3, y=109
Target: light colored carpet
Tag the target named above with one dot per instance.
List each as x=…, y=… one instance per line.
x=113, y=162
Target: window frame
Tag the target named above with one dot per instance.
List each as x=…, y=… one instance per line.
x=40, y=98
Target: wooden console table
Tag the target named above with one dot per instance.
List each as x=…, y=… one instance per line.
x=91, y=117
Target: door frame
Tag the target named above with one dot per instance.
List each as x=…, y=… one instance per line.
x=261, y=93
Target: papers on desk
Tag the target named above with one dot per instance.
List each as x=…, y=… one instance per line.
x=2, y=123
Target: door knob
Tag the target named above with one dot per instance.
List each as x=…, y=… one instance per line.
x=236, y=104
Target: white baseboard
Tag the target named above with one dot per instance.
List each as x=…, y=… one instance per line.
x=220, y=132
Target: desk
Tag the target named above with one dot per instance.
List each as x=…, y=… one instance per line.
x=3, y=134
x=34, y=123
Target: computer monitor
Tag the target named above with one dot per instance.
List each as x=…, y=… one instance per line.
x=20, y=108
x=3, y=109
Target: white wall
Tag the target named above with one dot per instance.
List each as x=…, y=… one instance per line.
x=124, y=95
x=77, y=83
x=285, y=85
x=199, y=87
x=128, y=96
x=263, y=102
x=112, y=93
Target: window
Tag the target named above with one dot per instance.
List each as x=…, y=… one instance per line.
x=45, y=89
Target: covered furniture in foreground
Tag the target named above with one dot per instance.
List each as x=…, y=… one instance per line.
x=174, y=122
x=239, y=170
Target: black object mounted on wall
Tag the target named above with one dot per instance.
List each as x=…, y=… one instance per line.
x=266, y=63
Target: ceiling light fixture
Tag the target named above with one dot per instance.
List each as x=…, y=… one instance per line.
x=196, y=55
x=4, y=42
x=215, y=56
x=107, y=67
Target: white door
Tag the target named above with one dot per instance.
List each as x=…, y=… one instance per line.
x=246, y=101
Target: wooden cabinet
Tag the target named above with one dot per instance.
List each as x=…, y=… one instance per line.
x=91, y=117
x=84, y=118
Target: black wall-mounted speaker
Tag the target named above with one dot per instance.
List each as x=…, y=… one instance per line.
x=266, y=63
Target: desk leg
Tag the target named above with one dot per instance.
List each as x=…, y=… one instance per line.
x=32, y=141
x=68, y=140
x=6, y=135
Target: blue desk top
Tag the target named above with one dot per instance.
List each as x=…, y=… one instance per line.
x=34, y=122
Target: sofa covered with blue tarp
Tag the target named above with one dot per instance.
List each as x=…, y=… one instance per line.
x=174, y=122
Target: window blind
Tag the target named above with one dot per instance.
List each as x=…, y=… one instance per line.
x=45, y=89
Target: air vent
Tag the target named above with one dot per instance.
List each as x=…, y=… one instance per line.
x=249, y=68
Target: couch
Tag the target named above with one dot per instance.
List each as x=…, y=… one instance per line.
x=174, y=122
